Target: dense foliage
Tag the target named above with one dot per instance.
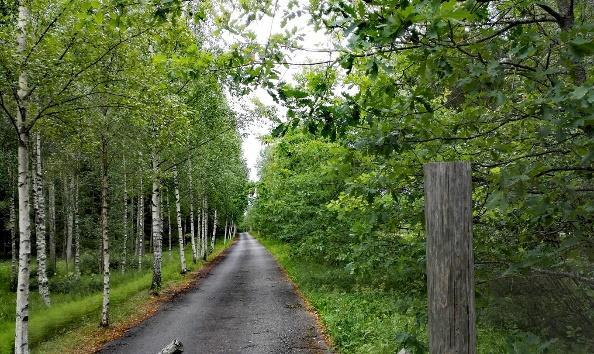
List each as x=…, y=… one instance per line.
x=505, y=85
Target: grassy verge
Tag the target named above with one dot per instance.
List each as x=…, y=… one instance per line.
x=74, y=316
x=360, y=318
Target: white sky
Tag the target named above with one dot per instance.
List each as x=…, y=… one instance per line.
x=252, y=145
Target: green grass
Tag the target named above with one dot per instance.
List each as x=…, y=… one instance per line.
x=80, y=307
x=363, y=319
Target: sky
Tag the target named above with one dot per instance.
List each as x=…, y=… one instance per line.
x=252, y=145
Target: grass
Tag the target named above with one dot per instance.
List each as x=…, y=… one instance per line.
x=364, y=319
x=74, y=315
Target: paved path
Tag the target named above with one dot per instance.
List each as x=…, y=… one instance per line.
x=244, y=305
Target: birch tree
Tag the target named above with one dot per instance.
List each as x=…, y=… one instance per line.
x=40, y=224
x=182, y=257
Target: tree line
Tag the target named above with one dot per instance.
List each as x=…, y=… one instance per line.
x=118, y=141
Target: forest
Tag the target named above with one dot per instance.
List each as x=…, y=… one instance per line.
x=123, y=175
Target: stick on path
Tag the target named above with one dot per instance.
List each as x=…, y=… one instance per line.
x=245, y=305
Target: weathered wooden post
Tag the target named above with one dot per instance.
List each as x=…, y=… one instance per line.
x=450, y=263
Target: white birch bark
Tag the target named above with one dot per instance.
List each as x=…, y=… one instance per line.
x=104, y=237
x=39, y=201
x=182, y=257
x=76, y=230
x=52, y=225
x=125, y=221
x=156, y=236
x=21, y=343
x=204, y=228
x=69, y=218
x=214, y=232
x=192, y=231
x=140, y=227
x=135, y=233
x=169, y=221
x=225, y=232
x=13, y=240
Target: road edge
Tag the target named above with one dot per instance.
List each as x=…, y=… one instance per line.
x=156, y=302
x=311, y=310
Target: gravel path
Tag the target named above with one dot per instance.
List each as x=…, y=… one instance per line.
x=244, y=305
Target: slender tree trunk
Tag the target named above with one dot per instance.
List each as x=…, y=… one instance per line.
x=125, y=221
x=169, y=221
x=21, y=343
x=75, y=213
x=205, y=230
x=69, y=218
x=225, y=232
x=13, y=240
x=104, y=235
x=182, y=256
x=65, y=206
x=39, y=203
x=140, y=227
x=192, y=233
x=156, y=215
x=135, y=233
x=52, y=227
x=214, y=231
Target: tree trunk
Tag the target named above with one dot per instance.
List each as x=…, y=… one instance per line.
x=225, y=232
x=104, y=236
x=13, y=240
x=75, y=213
x=69, y=219
x=21, y=343
x=140, y=227
x=52, y=227
x=169, y=221
x=214, y=232
x=156, y=215
x=192, y=233
x=125, y=222
x=39, y=204
x=182, y=257
x=205, y=228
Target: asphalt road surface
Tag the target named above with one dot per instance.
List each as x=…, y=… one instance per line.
x=244, y=305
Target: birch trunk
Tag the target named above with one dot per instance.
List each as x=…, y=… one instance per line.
x=135, y=233
x=125, y=220
x=39, y=202
x=140, y=227
x=205, y=228
x=52, y=226
x=199, y=234
x=69, y=219
x=214, y=231
x=156, y=215
x=182, y=257
x=13, y=241
x=21, y=343
x=225, y=232
x=169, y=221
x=104, y=236
x=75, y=213
x=192, y=233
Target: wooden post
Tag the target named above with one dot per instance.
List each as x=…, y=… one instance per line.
x=450, y=263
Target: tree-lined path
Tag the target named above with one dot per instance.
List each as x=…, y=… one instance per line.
x=245, y=305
